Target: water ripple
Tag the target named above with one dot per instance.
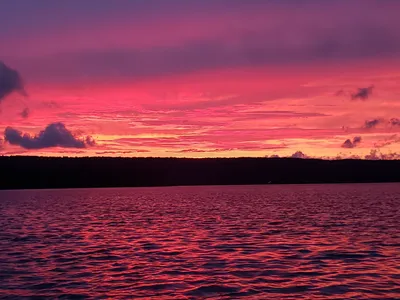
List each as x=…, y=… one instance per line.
x=252, y=242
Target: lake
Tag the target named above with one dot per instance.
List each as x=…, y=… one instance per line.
x=214, y=242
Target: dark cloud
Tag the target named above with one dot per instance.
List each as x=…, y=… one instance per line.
x=347, y=144
x=54, y=135
x=357, y=140
x=299, y=154
x=25, y=113
x=10, y=81
x=372, y=123
x=394, y=122
x=363, y=93
x=375, y=122
x=352, y=144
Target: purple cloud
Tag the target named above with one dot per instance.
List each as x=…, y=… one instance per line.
x=299, y=154
x=363, y=93
x=376, y=154
x=394, y=122
x=352, y=144
x=54, y=135
x=10, y=81
x=372, y=123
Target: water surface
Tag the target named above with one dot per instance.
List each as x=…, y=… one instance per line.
x=252, y=242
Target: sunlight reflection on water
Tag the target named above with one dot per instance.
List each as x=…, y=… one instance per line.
x=255, y=242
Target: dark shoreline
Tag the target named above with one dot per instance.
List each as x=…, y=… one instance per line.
x=49, y=173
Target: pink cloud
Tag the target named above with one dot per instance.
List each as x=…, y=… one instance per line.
x=205, y=77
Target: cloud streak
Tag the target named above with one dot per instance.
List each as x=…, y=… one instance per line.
x=393, y=139
x=54, y=135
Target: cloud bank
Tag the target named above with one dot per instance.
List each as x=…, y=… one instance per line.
x=223, y=34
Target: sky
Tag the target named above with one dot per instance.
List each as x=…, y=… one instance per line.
x=200, y=78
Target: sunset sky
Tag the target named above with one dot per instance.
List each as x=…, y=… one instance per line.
x=199, y=78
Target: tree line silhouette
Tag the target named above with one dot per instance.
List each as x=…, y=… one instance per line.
x=46, y=172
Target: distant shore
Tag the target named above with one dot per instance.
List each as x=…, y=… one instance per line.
x=45, y=172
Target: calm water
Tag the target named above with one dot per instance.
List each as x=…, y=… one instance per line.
x=253, y=242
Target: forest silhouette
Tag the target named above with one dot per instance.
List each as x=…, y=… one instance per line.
x=45, y=172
